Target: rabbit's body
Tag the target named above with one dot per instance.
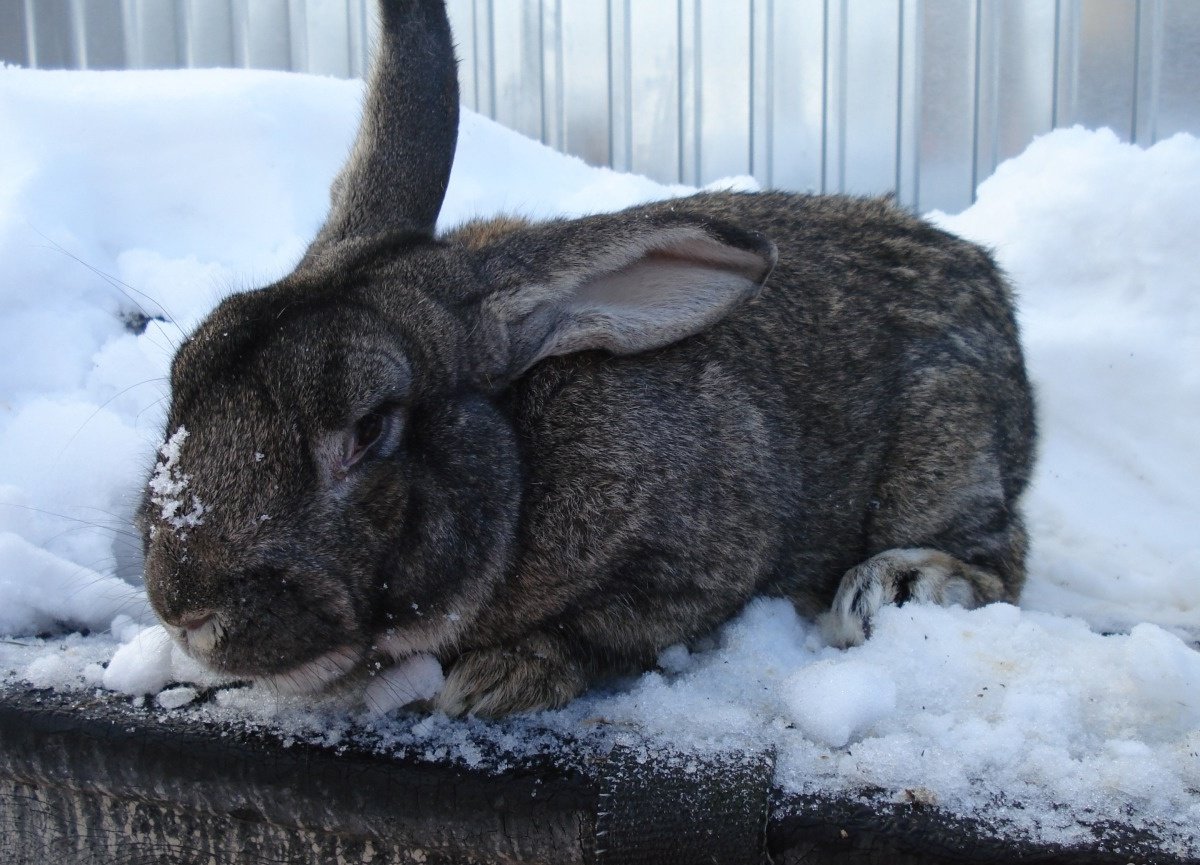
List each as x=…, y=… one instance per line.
x=871, y=397
x=544, y=452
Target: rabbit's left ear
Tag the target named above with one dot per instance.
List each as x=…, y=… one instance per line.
x=395, y=178
x=621, y=286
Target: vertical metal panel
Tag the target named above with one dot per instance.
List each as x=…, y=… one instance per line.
x=798, y=96
x=1016, y=84
x=869, y=69
x=620, y=97
x=1098, y=72
x=517, y=65
x=152, y=34
x=50, y=31
x=98, y=34
x=551, y=72
x=1149, y=71
x=723, y=62
x=12, y=33
x=262, y=35
x=690, y=56
x=208, y=25
x=923, y=97
x=947, y=112
x=1178, y=108
x=462, y=22
x=320, y=36
x=653, y=60
x=833, y=115
x=586, y=80
x=360, y=16
x=762, y=89
x=908, y=153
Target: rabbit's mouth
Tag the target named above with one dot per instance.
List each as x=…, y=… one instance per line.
x=428, y=635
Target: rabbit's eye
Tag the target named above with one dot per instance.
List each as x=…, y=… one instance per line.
x=376, y=434
x=367, y=432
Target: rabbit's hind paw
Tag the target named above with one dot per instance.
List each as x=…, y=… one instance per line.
x=895, y=577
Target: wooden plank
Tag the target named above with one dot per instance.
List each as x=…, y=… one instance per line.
x=89, y=778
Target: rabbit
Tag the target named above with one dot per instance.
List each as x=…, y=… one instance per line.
x=544, y=451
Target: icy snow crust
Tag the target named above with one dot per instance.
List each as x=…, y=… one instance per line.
x=134, y=195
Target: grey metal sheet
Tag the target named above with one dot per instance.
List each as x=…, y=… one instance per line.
x=1100, y=68
x=654, y=108
x=797, y=103
x=584, y=79
x=50, y=32
x=762, y=89
x=358, y=32
x=261, y=33
x=208, y=29
x=153, y=34
x=867, y=64
x=321, y=30
x=1016, y=86
x=517, y=65
x=923, y=97
x=908, y=155
x=462, y=22
x=98, y=34
x=12, y=33
x=620, y=86
x=719, y=139
x=946, y=137
x=1178, y=108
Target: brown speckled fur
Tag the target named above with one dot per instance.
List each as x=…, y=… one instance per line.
x=540, y=517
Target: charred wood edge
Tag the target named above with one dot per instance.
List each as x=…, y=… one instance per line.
x=655, y=809
x=536, y=809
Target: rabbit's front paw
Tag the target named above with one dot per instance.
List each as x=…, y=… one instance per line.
x=534, y=674
x=897, y=576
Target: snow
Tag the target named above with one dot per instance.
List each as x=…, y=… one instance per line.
x=141, y=196
x=1100, y=238
x=833, y=700
x=168, y=485
x=177, y=697
x=142, y=665
x=417, y=677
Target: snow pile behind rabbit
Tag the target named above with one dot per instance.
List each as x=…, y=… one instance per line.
x=1095, y=232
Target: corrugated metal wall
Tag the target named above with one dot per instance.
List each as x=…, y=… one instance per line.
x=920, y=97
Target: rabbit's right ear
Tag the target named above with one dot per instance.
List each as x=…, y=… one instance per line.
x=396, y=176
x=616, y=284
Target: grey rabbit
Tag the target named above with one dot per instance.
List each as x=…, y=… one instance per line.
x=543, y=452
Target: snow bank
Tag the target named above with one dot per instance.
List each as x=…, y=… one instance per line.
x=130, y=197
x=1100, y=238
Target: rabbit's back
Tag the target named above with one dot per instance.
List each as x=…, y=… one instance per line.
x=880, y=360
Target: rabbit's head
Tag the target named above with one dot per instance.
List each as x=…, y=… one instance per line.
x=339, y=472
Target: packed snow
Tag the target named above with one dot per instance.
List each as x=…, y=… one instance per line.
x=141, y=198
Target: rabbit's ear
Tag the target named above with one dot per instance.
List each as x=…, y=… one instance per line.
x=623, y=287
x=396, y=175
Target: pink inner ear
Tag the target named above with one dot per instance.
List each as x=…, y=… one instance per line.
x=706, y=251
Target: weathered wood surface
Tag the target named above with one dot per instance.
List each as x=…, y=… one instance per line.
x=90, y=780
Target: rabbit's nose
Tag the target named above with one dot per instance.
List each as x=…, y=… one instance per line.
x=201, y=629
x=195, y=621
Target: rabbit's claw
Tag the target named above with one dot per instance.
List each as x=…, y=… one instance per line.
x=896, y=577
